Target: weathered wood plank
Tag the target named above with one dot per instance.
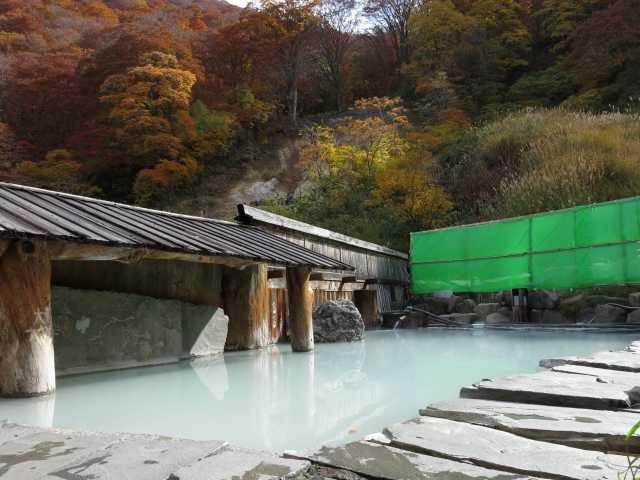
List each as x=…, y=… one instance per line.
x=551, y=388
x=600, y=430
x=388, y=463
x=623, y=360
x=490, y=448
x=236, y=463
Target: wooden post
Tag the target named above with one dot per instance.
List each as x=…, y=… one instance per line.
x=300, y=306
x=520, y=305
x=366, y=301
x=27, y=366
x=246, y=302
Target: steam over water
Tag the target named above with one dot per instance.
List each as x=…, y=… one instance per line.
x=274, y=399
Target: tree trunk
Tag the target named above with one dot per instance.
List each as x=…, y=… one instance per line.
x=27, y=366
x=293, y=103
x=300, y=305
x=246, y=302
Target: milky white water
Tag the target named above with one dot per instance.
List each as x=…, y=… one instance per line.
x=274, y=399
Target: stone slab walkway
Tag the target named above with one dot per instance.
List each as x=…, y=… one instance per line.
x=600, y=430
x=608, y=360
x=28, y=453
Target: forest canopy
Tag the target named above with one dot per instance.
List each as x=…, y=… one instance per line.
x=412, y=114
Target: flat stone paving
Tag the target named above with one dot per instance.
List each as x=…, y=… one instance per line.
x=552, y=388
x=600, y=430
x=491, y=448
x=609, y=360
x=565, y=423
x=28, y=453
x=389, y=463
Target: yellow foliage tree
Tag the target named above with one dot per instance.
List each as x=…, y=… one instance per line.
x=368, y=178
x=410, y=194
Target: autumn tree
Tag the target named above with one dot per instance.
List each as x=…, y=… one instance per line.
x=606, y=56
x=240, y=73
x=287, y=25
x=7, y=147
x=60, y=171
x=364, y=180
x=26, y=102
x=335, y=37
x=394, y=17
x=146, y=104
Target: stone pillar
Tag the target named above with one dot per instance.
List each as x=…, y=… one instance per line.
x=246, y=302
x=300, y=306
x=27, y=366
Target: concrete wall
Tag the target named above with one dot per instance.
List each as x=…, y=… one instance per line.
x=95, y=330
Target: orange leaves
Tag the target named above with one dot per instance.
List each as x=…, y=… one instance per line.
x=167, y=176
x=59, y=171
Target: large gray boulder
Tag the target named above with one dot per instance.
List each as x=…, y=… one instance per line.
x=435, y=305
x=484, y=309
x=466, y=318
x=634, y=299
x=503, y=315
x=463, y=305
x=609, y=314
x=543, y=299
x=572, y=306
x=634, y=316
x=547, y=316
x=595, y=300
x=337, y=321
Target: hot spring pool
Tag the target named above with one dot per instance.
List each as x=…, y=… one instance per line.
x=273, y=399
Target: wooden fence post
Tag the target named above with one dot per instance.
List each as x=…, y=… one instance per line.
x=27, y=365
x=300, y=308
x=520, y=305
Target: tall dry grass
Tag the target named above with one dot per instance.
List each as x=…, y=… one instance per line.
x=552, y=159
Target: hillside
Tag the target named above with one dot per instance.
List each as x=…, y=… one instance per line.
x=363, y=118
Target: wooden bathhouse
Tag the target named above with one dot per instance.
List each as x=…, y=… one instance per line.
x=378, y=284
x=133, y=286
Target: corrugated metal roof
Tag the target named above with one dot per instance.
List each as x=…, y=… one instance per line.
x=248, y=214
x=32, y=212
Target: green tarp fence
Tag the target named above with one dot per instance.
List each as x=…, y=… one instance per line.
x=575, y=248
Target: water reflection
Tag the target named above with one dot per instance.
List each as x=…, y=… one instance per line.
x=274, y=399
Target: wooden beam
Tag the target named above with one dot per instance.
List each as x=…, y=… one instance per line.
x=349, y=279
x=4, y=245
x=325, y=276
x=246, y=302
x=276, y=274
x=27, y=366
x=61, y=250
x=300, y=308
x=386, y=281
